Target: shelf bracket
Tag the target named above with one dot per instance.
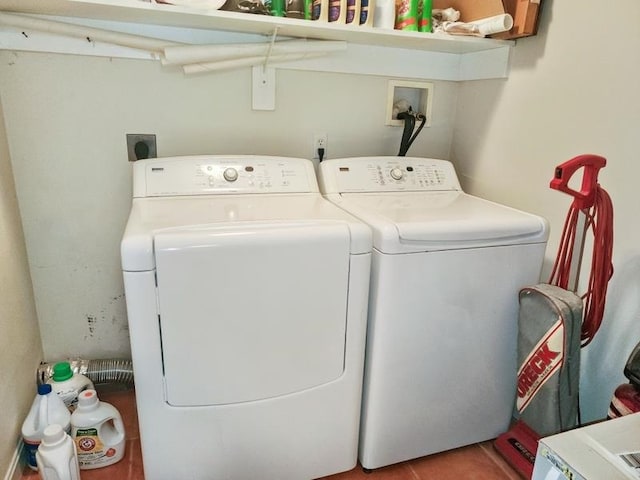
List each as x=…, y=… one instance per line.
x=264, y=81
x=270, y=48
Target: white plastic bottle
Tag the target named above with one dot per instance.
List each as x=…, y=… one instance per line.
x=47, y=409
x=98, y=431
x=68, y=385
x=385, y=14
x=56, y=456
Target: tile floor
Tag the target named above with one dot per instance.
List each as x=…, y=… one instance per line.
x=475, y=462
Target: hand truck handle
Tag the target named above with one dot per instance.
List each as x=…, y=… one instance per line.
x=563, y=173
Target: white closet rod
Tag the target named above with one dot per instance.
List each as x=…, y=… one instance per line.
x=80, y=31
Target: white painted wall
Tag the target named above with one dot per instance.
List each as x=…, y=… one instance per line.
x=20, y=346
x=67, y=117
x=573, y=89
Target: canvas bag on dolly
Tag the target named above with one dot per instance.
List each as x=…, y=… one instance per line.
x=548, y=377
x=554, y=323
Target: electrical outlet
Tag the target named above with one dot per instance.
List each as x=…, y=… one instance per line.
x=319, y=141
x=140, y=146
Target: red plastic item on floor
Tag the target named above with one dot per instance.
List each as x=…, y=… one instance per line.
x=518, y=447
x=625, y=401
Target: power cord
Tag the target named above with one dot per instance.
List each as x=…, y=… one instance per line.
x=320, y=154
x=408, y=135
x=599, y=220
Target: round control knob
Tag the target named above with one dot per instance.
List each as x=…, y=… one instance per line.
x=396, y=173
x=230, y=174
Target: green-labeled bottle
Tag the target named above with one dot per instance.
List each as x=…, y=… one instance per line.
x=308, y=9
x=407, y=15
x=277, y=8
x=425, y=21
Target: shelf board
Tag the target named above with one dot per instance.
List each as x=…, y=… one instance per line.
x=138, y=11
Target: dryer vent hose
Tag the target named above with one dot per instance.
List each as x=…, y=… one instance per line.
x=98, y=371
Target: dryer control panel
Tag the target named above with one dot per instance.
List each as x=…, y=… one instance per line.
x=217, y=174
x=387, y=174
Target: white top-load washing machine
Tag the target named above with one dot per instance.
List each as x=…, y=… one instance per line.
x=246, y=296
x=440, y=368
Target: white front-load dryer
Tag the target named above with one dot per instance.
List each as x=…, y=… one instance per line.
x=440, y=368
x=247, y=298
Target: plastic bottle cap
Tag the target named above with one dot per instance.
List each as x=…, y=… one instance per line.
x=44, y=389
x=62, y=371
x=52, y=434
x=87, y=400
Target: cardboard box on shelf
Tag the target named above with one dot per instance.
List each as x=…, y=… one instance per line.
x=524, y=13
x=525, y=18
x=471, y=10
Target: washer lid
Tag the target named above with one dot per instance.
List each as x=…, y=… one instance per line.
x=424, y=221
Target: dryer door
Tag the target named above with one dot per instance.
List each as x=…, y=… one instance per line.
x=249, y=312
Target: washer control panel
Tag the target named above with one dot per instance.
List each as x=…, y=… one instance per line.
x=387, y=174
x=207, y=175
